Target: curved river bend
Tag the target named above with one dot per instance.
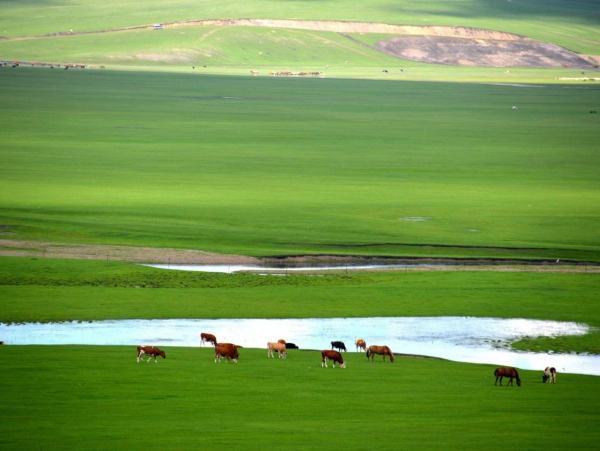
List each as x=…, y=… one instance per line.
x=463, y=339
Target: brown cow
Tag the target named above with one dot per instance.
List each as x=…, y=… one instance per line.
x=360, y=344
x=228, y=351
x=208, y=338
x=150, y=351
x=381, y=350
x=334, y=356
x=276, y=347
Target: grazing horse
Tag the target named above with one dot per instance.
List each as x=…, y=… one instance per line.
x=228, y=351
x=334, y=356
x=150, y=351
x=338, y=345
x=507, y=371
x=360, y=344
x=276, y=347
x=381, y=350
x=208, y=338
x=282, y=341
x=549, y=375
x=291, y=346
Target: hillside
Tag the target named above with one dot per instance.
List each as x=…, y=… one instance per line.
x=558, y=35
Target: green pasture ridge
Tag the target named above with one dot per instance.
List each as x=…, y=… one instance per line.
x=273, y=167
x=573, y=25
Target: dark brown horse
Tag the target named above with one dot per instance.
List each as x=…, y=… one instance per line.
x=208, y=338
x=507, y=371
x=381, y=350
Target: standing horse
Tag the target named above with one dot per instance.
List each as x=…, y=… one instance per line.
x=381, y=350
x=360, y=344
x=208, y=338
x=507, y=371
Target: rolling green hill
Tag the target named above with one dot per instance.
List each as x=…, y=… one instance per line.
x=571, y=24
x=234, y=49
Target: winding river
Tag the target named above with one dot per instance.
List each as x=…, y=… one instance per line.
x=463, y=339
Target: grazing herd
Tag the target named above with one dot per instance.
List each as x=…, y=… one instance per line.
x=229, y=351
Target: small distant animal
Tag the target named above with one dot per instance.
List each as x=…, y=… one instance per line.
x=507, y=371
x=549, y=375
x=381, y=350
x=334, y=356
x=291, y=346
x=385, y=71
x=338, y=345
x=149, y=351
x=280, y=348
x=360, y=344
x=227, y=351
x=208, y=338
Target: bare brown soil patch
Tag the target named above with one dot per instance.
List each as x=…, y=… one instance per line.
x=482, y=52
x=21, y=248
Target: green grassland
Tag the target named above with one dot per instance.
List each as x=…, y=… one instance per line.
x=272, y=167
x=98, y=397
x=238, y=50
x=55, y=290
x=573, y=25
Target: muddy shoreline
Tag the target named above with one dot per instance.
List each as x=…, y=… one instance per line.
x=132, y=254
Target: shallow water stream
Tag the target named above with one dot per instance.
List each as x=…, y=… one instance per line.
x=463, y=339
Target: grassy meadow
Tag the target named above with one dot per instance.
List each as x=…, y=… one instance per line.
x=47, y=32
x=421, y=160
x=60, y=290
x=81, y=397
x=573, y=25
x=272, y=167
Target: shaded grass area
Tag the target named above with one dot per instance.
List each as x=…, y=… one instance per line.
x=271, y=167
x=54, y=290
x=90, y=397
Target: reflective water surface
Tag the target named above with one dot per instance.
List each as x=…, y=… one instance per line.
x=230, y=269
x=464, y=339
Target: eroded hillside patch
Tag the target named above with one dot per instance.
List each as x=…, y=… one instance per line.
x=481, y=52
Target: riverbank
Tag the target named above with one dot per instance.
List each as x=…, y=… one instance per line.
x=171, y=256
